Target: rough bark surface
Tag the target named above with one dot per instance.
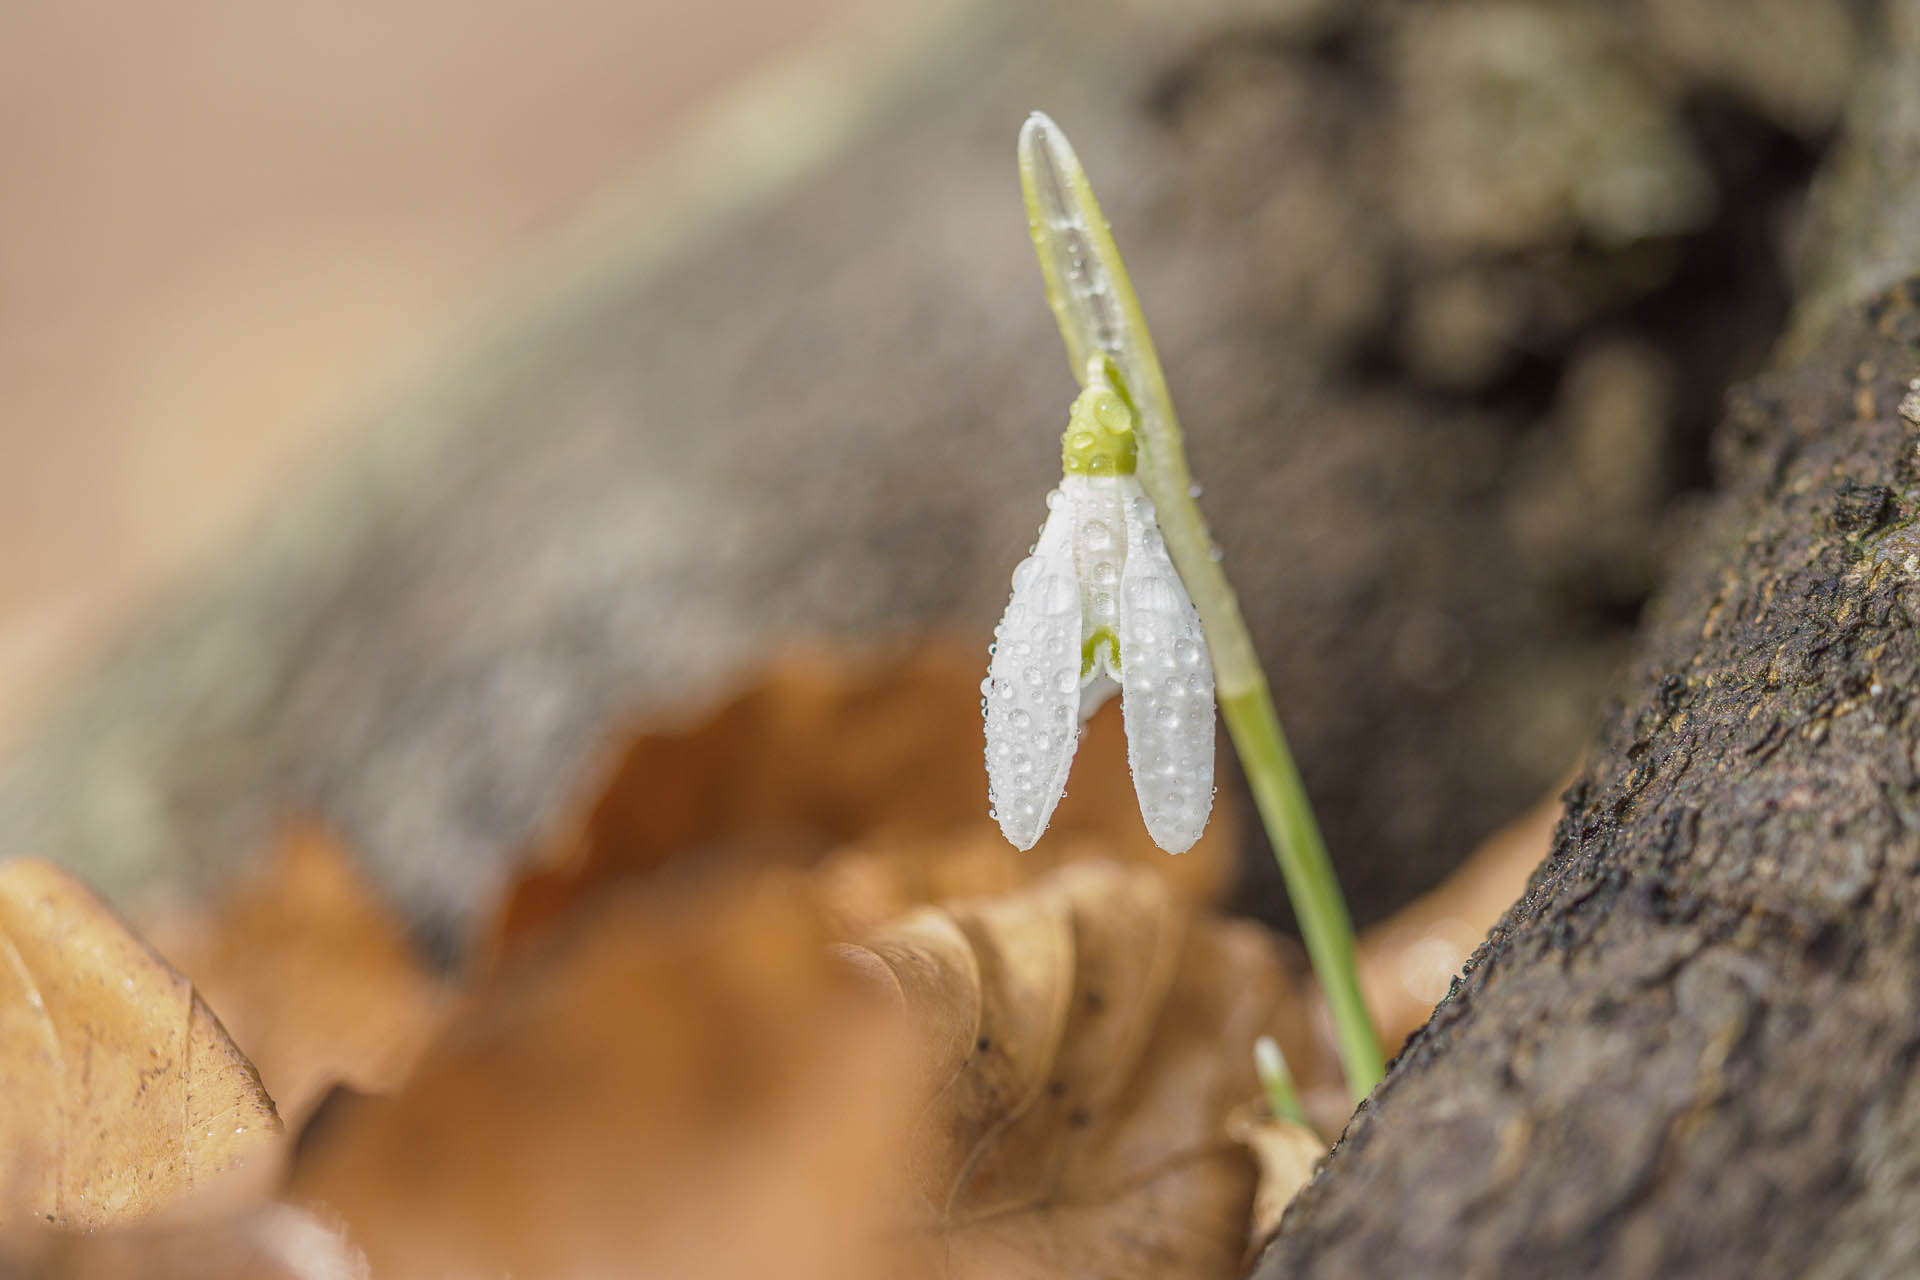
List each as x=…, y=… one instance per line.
x=1448, y=294
x=1691, y=1047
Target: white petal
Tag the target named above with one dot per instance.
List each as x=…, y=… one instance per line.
x=1033, y=685
x=1099, y=553
x=1166, y=687
x=1094, y=693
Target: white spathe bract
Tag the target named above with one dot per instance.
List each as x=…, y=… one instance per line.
x=1099, y=606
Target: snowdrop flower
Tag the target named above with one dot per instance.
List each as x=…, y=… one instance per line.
x=1098, y=607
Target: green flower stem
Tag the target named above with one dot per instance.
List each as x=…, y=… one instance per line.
x=1100, y=319
x=1311, y=886
x=1270, y=1065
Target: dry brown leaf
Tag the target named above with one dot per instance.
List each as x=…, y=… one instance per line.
x=823, y=753
x=310, y=974
x=1083, y=1042
x=262, y=1242
x=1408, y=961
x=119, y=1090
x=1287, y=1154
x=681, y=1082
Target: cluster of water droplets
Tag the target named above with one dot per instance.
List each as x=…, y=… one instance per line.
x=1030, y=696
x=1166, y=685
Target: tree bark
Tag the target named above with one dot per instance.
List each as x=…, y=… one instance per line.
x=1691, y=1047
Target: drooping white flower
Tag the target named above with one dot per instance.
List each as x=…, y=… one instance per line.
x=1098, y=606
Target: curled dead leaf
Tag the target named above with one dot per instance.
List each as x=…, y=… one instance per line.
x=120, y=1092
x=1082, y=1043
x=680, y=1082
x=880, y=759
x=1287, y=1154
x=310, y=973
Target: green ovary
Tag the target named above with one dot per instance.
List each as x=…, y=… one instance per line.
x=1099, y=437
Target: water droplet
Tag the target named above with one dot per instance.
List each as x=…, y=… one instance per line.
x=1098, y=536
x=1105, y=574
x=1066, y=682
x=1166, y=717
x=1020, y=720
x=1100, y=464
x=1033, y=677
x=1194, y=490
x=1080, y=440
x=1185, y=651
x=1215, y=553
x=1055, y=499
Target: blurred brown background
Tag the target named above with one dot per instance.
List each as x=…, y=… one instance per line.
x=226, y=223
